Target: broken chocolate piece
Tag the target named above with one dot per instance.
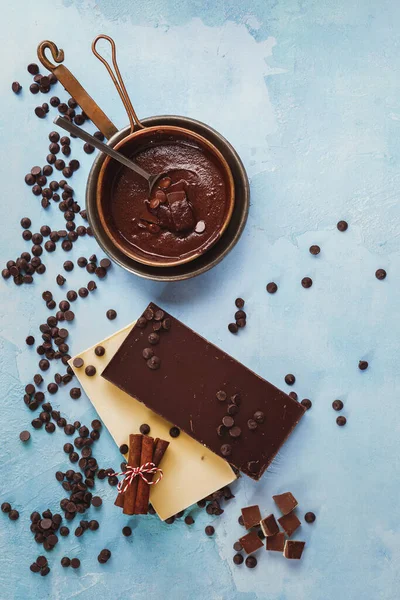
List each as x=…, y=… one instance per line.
x=251, y=542
x=293, y=549
x=251, y=516
x=276, y=543
x=289, y=523
x=285, y=502
x=269, y=526
x=189, y=366
x=181, y=211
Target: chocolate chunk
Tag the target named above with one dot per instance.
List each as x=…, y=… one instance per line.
x=251, y=562
x=290, y=523
x=181, y=211
x=286, y=502
x=337, y=405
x=362, y=365
x=276, y=543
x=380, y=274
x=315, y=250
x=342, y=225
x=251, y=516
x=111, y=314
x=309, y=517
x=341, y=421
x=269, y=526
x=293, y=549
x=250, y=542
x=272, y=287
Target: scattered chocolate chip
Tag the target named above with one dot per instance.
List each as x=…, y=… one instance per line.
x=272, y=287
x=293, y=395
x=342, y=225
x=30, y=340
x=362, y=365
x=309, y=517
x=221, y=396
x=75, y=563
x=290, y=379
x=174, y=432
x=251, y=562
x=78, y=362
x=75, y=393
x=341, y=421
x=251, y=424
x=315, y=250
x=226, y=449
x=111, y=314
x=337, y=405
x=33, y=69
x=16, y=87
x=306, y=403
x=90, y=370
x=145, y=429
x=233, y=328
x=126, y=531
x=99, y=351
x=306, y=282
x=238, y=559
x=209, y=529
x=154, y=363
x=380, y=274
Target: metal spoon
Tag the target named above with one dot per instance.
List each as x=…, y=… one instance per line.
x=90, y=139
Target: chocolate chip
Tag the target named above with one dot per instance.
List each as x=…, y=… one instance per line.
x=83, y=292
x=78, y=362
x=147, y=353
x=341, y=421
x=253, y=466
x=306, y=403
x=337, y=405
x=24, y=436
x=342, y=225
x=75, y=563
x=25, y=222
x=233, y=328
x=221, y=396
x=228, y=421
x=293, y=395
x=145, y=429
x=153, y=338
x=69, y=315
x=16, y=87
x=238, y=559
x=68, y=265
x=34, y=88
x=232, y=409
x=362, y=365
x=251, y=562
x=251, y=424
x=90, y=370
x=239, y=302
x=154, y=363
x=174, y=432
x=75, y=393
x=124, y=448
x=30, y=340
x=309, y=517
x=235, y=431
x=272, y=287
x=306, y=282
x=226, y=449
x=259, y=416
x=221, y=430
x=236, y=399
x=315, y=250
x=209, y=530
x=380, y=274
x=290, y=379
x=166, y=324
x=72, y=295
x=44, y=364
x=126, y=531
x=40, y=112
x=6, y=507
x=99, y=351
x=111, y=314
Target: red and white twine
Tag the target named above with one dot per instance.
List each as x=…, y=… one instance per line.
x=131, y=473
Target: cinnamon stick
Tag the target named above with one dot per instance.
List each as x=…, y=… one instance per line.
x=134, y=460
x=143, y=494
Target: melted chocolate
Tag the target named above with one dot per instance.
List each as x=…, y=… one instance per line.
x=196, y=193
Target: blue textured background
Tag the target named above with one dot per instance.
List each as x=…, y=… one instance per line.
x=308, y=92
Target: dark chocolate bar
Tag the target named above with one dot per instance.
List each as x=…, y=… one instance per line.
x=204, y=391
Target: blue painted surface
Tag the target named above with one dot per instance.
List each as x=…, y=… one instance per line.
x=308, y=94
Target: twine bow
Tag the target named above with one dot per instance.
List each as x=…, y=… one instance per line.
x=131, y=472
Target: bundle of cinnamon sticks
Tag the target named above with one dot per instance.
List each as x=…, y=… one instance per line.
x=142, y=449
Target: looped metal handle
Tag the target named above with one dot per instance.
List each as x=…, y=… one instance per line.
x=117, y=79
x=57, y=54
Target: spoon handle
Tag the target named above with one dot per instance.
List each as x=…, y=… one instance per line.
x=90, y=139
